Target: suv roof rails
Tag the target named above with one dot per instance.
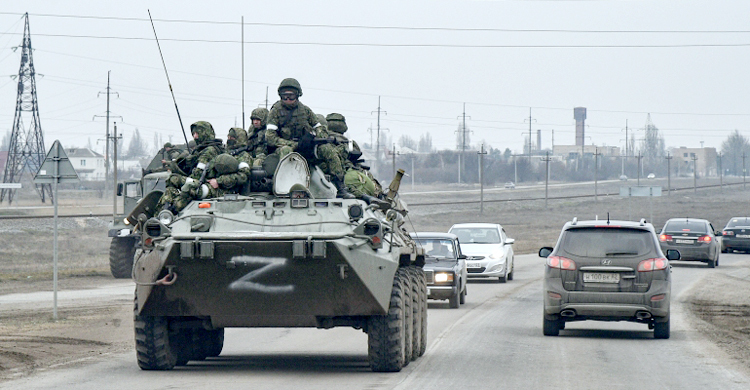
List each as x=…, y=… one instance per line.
x=574, y=221
x=643, y=221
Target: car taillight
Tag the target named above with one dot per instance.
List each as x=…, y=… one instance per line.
x=728, y=232
x=665, y=237
x=653, y=265
x=561, y=263
x=705, y=238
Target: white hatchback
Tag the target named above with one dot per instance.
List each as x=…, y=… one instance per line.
x=488, y=249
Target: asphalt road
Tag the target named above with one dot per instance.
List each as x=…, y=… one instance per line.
x=493, y=341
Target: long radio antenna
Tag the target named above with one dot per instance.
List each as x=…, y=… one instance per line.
x=187, y=144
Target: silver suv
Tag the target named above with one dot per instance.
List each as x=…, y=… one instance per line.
x=607, y=271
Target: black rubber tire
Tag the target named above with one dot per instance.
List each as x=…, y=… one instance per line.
x=408, y=317
x=213, y=342
x=551, y=327
x=724, y=250
x=462, y=297
x=152, y=346
x=711, y=264
x=423, y=318
x=502, y=279
x=454, y=300
x=121, y=252
x=385, y=334
x=416, y=307
x=717, y=259
x=512, y=269
x=661, y=330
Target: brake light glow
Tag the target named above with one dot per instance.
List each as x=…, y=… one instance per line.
x=705, y=238
x=649, y=265
x=659, y=297
x=561, y=263
x=665, y=237
x=728, y=232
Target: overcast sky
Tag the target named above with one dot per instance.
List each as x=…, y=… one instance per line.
x=685, y=62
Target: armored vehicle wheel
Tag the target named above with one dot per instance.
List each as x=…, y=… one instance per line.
x=408, y=316
x=385, y=334
x=423, y=318
x=121, y=252
x=416, y=308
x=153, y=348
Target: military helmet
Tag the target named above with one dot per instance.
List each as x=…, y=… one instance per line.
x=240, y=137
x=225, y=163
x=337, y=123
x=260, y=113
x=321, y=119
x=168, y=145
x=290, y=83
x=205, y=131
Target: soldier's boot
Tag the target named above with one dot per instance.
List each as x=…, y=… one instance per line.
x=342, y=191
x=371, y=200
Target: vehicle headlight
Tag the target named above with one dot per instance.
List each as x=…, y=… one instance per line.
x=497, y=255
x=443, y=277
x=166, y=217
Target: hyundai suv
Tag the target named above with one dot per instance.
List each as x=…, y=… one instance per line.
x=607, y=271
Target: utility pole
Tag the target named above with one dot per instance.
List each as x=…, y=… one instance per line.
x=114, y=173
x=669, y=173
x=242, y=22
x=640, y=156
x=695, y=173
x=743, y=170
x=546, y=179
x=721, y=174
x=107, y=137
x=530, y=120
x=463, y=142
x=394, y=160
x=626, y=137
x=377, y=148
x=596, y=173
x=481, y=179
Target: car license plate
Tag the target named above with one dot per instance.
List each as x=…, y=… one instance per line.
x=473, y=265
x=601, y=277
x=678, y=241
x=742, y=236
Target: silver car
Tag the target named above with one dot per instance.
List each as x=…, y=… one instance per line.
x=488, y=250
x=607, y=271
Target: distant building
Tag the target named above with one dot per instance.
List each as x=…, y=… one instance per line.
x=703, y=160
x=88, y=164
x=568, y=152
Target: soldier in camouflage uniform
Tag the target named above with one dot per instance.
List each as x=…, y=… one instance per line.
x=223, y=177
x=256, y=137
x=207, y=148
x=292, y=126
x=359, y=181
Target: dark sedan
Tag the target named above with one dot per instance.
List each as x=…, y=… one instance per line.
x=736, y=235
x=694, y=238
x=445, y=267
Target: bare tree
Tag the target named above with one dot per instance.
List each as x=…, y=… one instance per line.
x=733, y=149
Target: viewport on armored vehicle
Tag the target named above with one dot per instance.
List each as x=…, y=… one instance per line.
x=124, y=241
x=295, y=256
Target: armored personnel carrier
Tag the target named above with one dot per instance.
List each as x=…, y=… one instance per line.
x=293, y=257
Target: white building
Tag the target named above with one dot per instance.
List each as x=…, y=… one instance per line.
x=88, y=164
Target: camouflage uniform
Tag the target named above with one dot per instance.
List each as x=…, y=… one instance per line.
x=359, y=181
x=256, y=138
x=225, y=169
x=206, y=150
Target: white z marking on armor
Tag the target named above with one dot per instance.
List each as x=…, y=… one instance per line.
x=245, y=283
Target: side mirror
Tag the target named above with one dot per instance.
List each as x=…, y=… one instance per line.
x=658, y=231
x=509, y=241
x=545, y=251
x=120, y=187
x=673, y=254
x=462, y=257
x=719, y=233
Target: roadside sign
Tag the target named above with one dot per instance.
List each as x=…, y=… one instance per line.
x=56, y=166
x=10, y=185
x=640, y=191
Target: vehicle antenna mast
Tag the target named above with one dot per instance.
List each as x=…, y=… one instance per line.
x=187, y=144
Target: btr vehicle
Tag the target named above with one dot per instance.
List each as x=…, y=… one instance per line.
x=296, y=256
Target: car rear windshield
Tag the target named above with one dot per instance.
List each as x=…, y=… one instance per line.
x=738, y=222
x=685, y=226
x=441, y=248
x=477, y=235
x=607, y=242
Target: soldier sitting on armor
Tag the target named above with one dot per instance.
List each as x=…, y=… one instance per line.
x=292, y=126
x=223, y=176
x=190, y=168
x=358, y=179
x=256, y=136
